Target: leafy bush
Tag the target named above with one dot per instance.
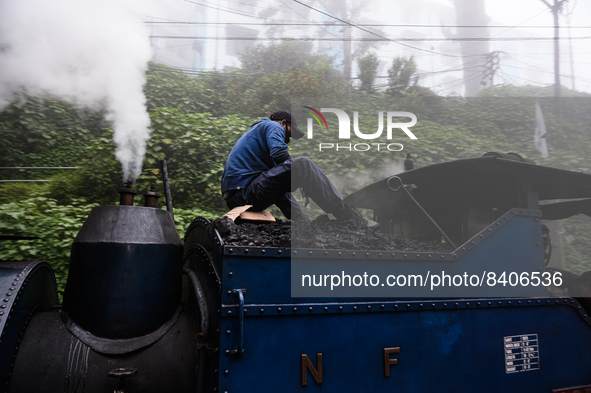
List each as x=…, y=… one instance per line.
x=170, y=88
x=368, y=68
x=55, y=225
x=44, y=132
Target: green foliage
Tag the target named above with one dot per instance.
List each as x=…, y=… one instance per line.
x=368, y=68
x=270, y=77
x=281, y=57
x=277, y=91
x=44, y=132
x=508, y=123
x=196, y=147
x=97, y=179
x=528, y=91
x=171, y=88
x=279, y=73
x=183, y=218
x=10, y=192
x=56, y=226
x=400, y=76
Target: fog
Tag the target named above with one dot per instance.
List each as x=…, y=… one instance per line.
x=90, y=53
x=451, y=39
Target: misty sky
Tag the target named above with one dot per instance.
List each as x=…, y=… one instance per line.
x=529, y=16
x=524, y=62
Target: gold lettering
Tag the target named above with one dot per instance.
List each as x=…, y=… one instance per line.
x=389, y=362
x=308, y=366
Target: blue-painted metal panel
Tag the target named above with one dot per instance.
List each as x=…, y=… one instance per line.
x=441, y=349
x=456, y=343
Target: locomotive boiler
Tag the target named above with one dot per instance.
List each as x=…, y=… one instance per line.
x=144, y=311
x=122, y=323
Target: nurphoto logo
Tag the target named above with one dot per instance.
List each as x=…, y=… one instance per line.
x=345, y=129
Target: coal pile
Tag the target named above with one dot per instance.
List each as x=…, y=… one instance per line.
x=250, y=234
x=322, y=233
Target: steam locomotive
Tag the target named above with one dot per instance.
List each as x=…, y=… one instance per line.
x=144, y=311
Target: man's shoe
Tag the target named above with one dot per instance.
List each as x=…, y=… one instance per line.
x=299, y=217
x=351, y=215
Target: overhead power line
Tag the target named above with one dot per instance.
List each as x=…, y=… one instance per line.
x=303, y=16
x=509, y=28
x=460, y=82
x=323, y=24
x=236, y=74
x=360, y=39
x=225, y=10
x=371, y=32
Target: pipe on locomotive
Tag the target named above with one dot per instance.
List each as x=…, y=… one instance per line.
x=167, y=192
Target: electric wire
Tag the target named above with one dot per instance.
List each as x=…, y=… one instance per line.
x=230, y=11
x=369, y=31
x=519, y=24
x=317, y=24
x=462, y=81
x=517, y=77
x=327, y=31
x=361, y=39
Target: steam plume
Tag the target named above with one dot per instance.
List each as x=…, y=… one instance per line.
x=87, y=52
x=362, y=179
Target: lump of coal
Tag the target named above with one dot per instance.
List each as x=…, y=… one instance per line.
x=224, y=225
x=322, y=233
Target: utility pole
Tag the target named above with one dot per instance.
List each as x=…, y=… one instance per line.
x=491, y=66
x=347, y=33
x=555, y=9
x=471, y=13
x=570, y=51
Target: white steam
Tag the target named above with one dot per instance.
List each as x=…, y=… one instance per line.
x=362, y=179
x=88, y=52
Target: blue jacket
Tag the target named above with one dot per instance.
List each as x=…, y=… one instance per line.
x=258, y=150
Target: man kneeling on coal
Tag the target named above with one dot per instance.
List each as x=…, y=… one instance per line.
x=260, y=172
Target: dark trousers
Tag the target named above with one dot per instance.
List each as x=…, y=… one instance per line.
x=276, y=185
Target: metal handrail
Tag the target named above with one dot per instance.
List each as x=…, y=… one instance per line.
x=418, y=205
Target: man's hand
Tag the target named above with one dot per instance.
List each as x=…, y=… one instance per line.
x=305, y=198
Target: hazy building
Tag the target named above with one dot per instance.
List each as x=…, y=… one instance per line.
x=210, y=35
